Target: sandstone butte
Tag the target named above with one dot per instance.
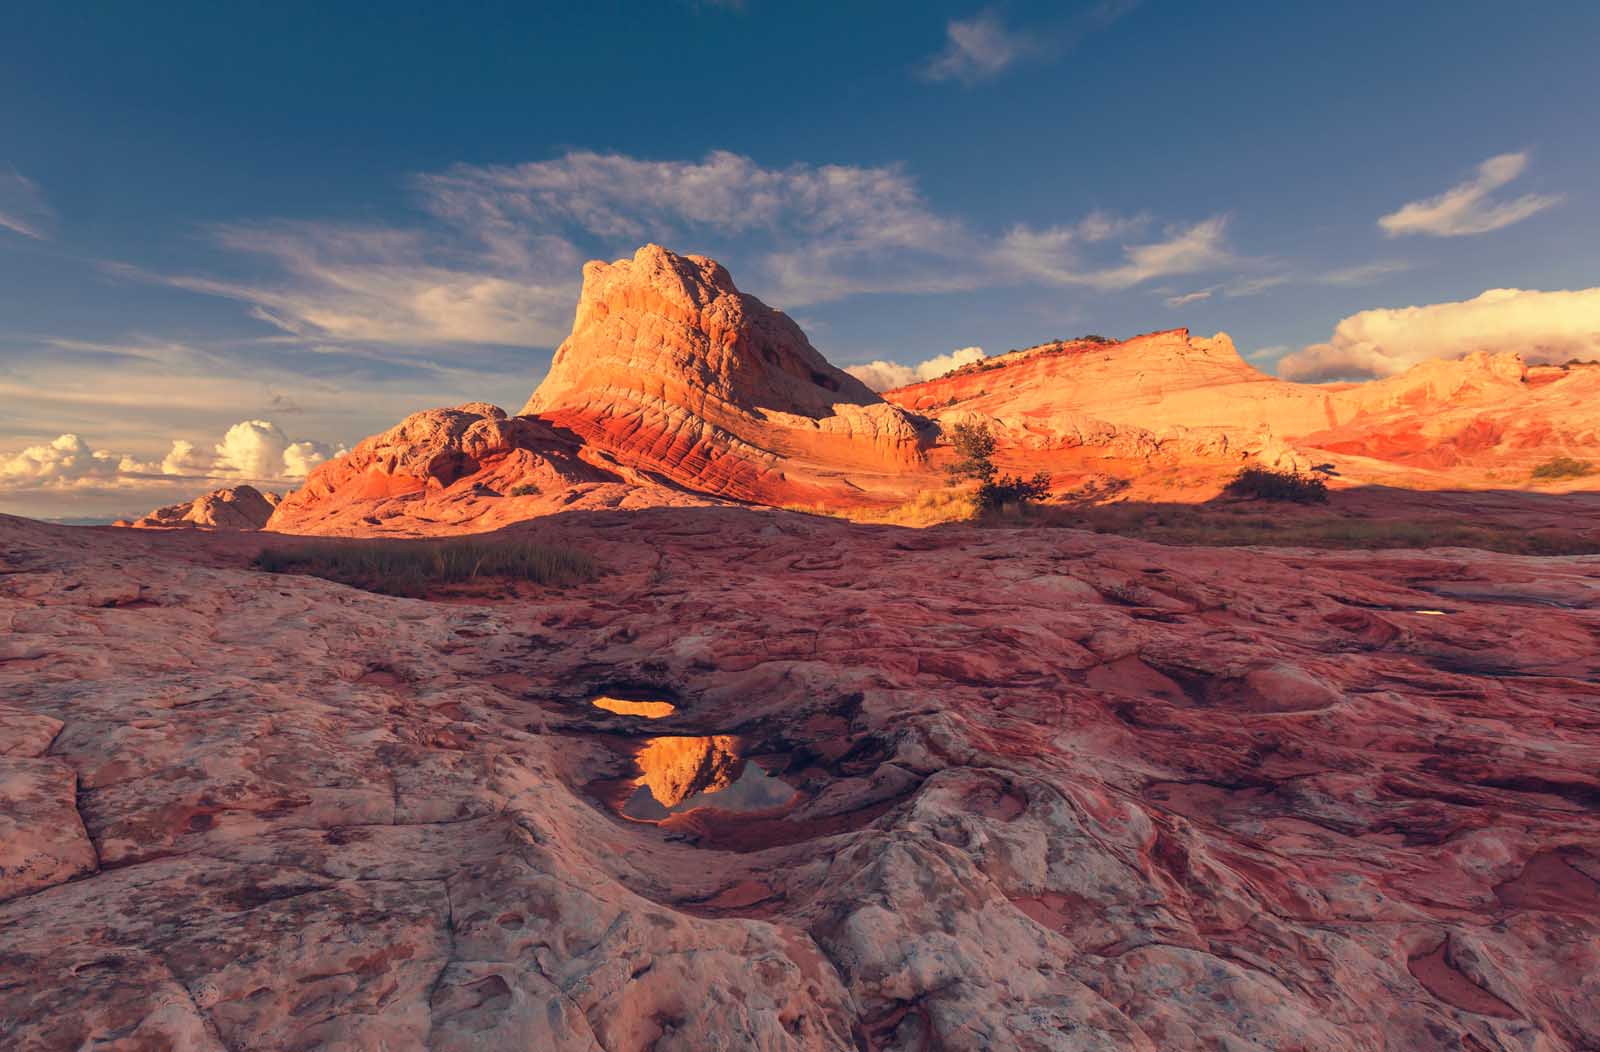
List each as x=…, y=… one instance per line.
x=675, y=388
x=1052, y=790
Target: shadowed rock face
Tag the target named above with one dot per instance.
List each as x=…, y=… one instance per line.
x=1054, y=791
x=232, y=508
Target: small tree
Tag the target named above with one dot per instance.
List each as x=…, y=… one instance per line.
x=974, y=446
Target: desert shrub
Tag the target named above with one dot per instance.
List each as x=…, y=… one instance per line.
x=414, y=568
x=998, y=492
x=527, y=489
x=1563, y=468
x=974, y=447
x=1265, y=484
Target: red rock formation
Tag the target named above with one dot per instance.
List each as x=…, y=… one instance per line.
x=1057, y=791
x=232, y=508
x=470, y=467
x=672, y=369
x=1184, y=398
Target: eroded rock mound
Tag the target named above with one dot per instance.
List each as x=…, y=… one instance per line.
x=673, y=369
x=231, y=508
x=1176, y=398
x=471, y=464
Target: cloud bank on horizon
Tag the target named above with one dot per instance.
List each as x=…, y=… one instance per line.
x=882, y=375
x=1542, y=326
x=254, y=451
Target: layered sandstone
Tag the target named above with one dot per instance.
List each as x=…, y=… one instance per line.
x=1055, y=791
x=1179, y=396
x=674, y=370
x=230, y=508
x=469, y=467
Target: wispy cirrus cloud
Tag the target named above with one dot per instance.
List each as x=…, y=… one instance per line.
x=23, y=208
x=983, y=46
x=1470, y=207
x=496, y=256
x=976, y=48
x=1053, y=255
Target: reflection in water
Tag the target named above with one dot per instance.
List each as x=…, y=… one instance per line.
x=680, y=774
x=650, y=710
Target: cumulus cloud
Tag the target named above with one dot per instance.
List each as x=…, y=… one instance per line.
x=883, y=375
x=65, y=461
x=977, y=48
x=23, y=208
x=250, y=451
x=1470, y=207
x=1541, y=326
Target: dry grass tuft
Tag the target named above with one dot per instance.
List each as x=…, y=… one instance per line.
x=416, y=568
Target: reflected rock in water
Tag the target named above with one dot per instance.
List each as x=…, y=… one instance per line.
x=680, y=774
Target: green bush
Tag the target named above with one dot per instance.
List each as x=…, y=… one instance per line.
x=1265, y=484
x=1563, y=468
x=527, y=489
x=998, y=492
x=415, y=568
x=974, y=447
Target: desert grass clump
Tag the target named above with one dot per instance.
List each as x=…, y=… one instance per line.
x=527, y=489
x=1265, y=484
x=417, y=568
x=1563, y=468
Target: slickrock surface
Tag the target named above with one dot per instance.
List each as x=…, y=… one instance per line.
x=231, y=508
x=1056, y=791
x=1176, y=397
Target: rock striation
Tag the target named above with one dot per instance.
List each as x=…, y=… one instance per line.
x=1173, y=396
x=231, y=508
x=674, y=370
x=1055, y=791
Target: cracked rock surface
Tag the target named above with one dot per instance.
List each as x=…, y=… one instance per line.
x=1054, y=791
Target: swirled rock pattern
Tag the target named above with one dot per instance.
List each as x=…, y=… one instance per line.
x=1055, y=791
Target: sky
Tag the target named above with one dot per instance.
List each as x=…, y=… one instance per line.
x=236, y=239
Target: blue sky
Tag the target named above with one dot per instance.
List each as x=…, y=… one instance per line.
x=322, y=220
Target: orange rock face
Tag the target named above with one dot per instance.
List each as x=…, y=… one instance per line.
x=1173, y=396
x=1055, y=791
x=674, y=370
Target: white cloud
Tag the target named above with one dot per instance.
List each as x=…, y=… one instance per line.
x=1468, y=208
x=981, y=47
x=977, y=48
x=1050, y=255
x=1541, y=326
x=882, y=375
x=23, y=208
x=251, y=451
x=499, y=261
x=65, y=461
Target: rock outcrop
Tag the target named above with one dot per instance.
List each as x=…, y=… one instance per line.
x=469, y=467
x=674, y=370
x=1054, y=791
x=231, y=508
x=1175, y=397
x=676, y=388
